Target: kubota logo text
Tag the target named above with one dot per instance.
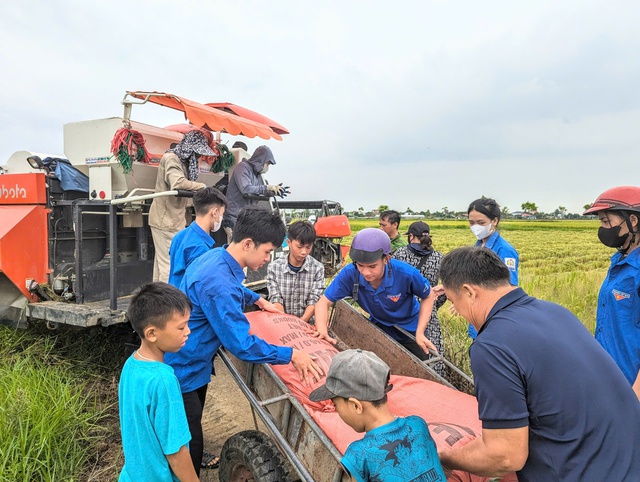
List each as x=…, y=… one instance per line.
x=16, y=192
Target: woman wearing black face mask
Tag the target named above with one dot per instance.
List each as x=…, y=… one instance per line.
x=618, y=315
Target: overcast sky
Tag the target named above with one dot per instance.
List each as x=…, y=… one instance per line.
x=419, y=104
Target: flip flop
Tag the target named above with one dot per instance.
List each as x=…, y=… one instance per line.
x=209, y=461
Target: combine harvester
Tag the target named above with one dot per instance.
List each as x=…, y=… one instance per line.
x=74, y=236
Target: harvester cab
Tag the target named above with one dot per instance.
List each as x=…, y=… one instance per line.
x=74, y=233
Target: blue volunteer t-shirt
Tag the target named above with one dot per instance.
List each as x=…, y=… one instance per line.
x=509, y=257
x=187, y=245
x=535, y=365
x=152, y=420
x=618, y=315
x=213, y=283
x=400, y=450
x=394, y=302
x=505, y=252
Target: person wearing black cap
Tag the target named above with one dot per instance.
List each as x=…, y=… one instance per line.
x=420, y=254
x=178, y=169
x=393, y=448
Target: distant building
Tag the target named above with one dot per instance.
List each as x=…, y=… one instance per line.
x=522, y=215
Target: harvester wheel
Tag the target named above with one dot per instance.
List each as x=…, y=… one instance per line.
x=251, y=456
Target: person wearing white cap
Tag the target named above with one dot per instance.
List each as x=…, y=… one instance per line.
x=393, y=448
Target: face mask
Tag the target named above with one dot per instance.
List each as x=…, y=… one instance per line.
x=611, y=236
x=217, y=224
x=265, y=168
x=481, y=232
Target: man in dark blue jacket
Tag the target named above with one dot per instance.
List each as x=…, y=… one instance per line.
x=246, y=185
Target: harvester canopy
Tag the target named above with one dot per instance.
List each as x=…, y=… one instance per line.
x=249, y=114
x=212, y=118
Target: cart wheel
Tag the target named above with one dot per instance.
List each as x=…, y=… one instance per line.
x=251, y=456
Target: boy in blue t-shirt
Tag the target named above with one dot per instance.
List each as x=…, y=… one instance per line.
x=154, y=427
x=393, y=448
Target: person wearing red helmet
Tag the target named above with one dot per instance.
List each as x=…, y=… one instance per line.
x=385, y=288
x=618, y=314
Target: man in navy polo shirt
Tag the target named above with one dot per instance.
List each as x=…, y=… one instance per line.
x=385, y=288
x=554, y=406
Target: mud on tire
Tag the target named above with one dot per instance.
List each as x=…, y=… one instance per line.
x=252, y=456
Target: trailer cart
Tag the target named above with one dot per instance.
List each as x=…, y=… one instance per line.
x=296, y=448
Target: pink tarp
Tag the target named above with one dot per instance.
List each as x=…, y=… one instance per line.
x=452, y=415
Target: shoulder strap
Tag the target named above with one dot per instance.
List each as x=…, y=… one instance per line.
x=423, y=261
x=356, y=286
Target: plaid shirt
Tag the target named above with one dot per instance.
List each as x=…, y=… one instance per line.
x=295, y=291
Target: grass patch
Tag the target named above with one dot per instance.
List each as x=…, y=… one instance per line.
x=58, y=404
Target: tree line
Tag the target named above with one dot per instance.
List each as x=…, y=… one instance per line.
x=528, y=210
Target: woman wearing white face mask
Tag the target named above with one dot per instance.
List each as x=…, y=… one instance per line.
x=484, y=217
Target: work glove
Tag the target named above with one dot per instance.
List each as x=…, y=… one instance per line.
x=277, y=190
x=285, y=192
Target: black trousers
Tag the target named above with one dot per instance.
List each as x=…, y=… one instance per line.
x=193, y=405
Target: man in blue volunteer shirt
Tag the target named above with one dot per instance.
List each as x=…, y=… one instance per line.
x=213, y=283
x=385, y=288
x=554, y=406
x=195, y=239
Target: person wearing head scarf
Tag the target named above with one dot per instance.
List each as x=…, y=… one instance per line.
x=178, y=170
x=246, y=185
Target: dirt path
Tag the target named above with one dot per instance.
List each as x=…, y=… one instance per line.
x=226, y=412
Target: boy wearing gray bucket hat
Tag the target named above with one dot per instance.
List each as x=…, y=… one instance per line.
x=393, y=448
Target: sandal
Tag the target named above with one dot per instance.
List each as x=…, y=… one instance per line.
x=209, y=461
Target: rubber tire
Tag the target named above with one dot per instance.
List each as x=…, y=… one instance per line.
x=252, y=452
